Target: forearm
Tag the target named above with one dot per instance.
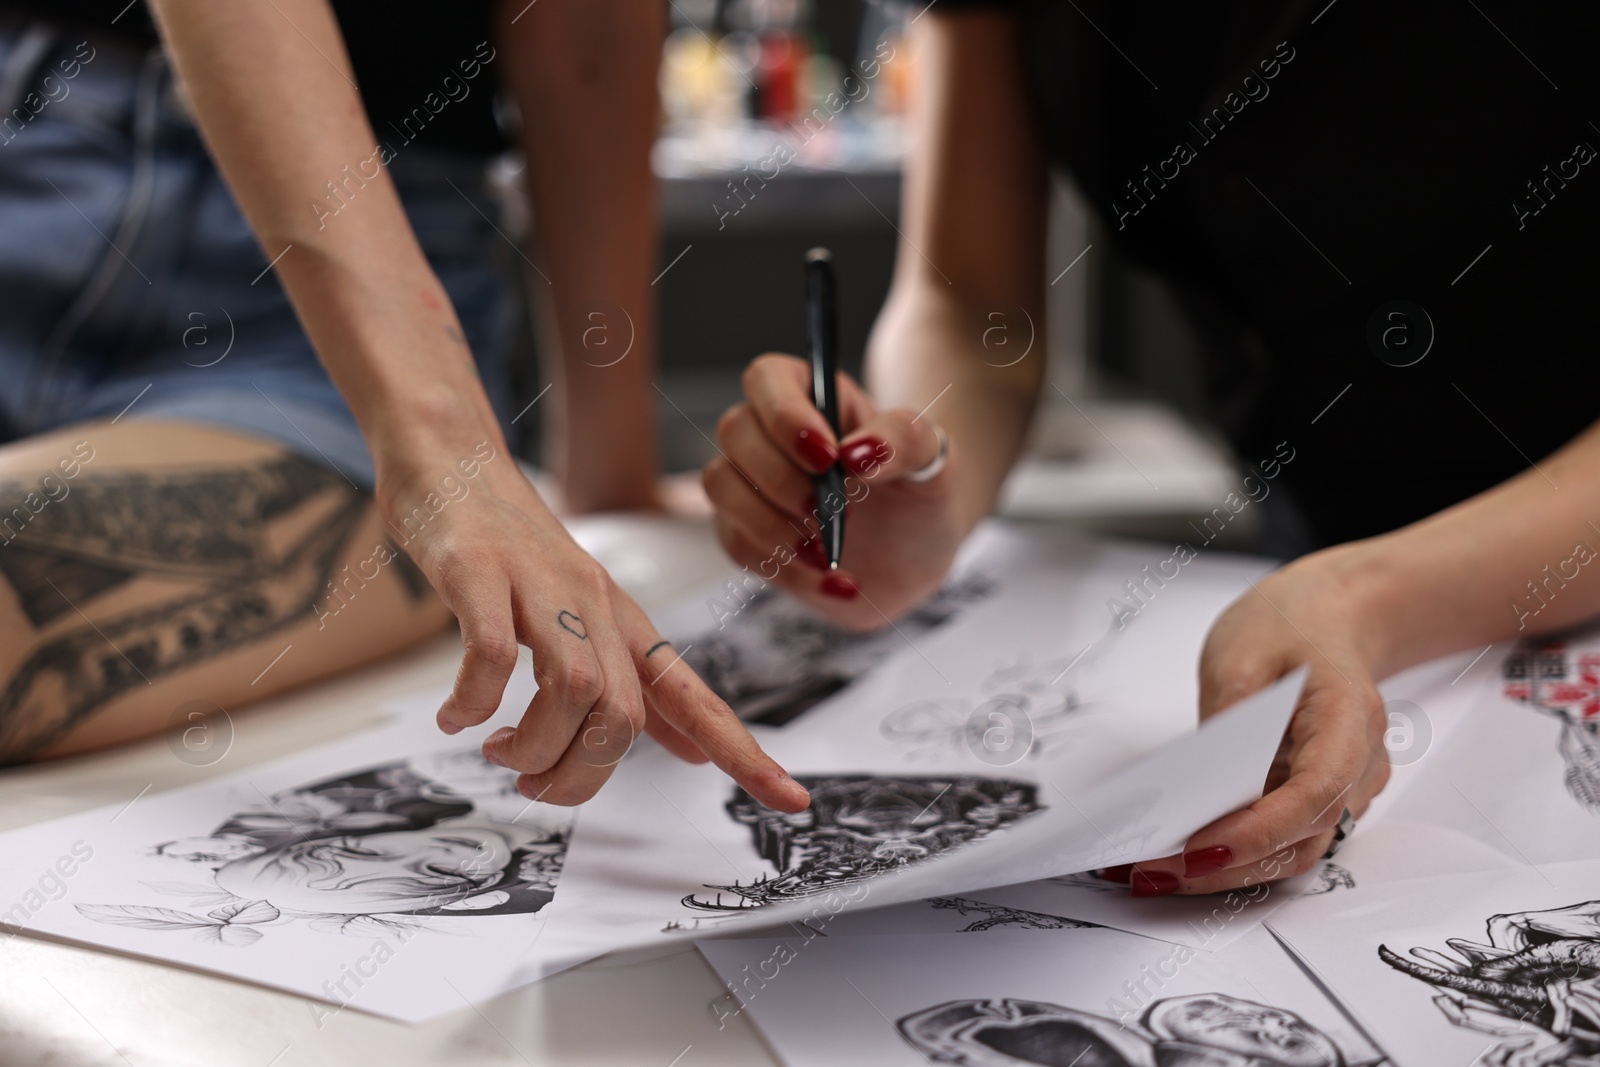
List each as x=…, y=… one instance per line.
x=282, y=118
x=928, y=349
x=1514, y=561
x=964, y=322
x=584, y=75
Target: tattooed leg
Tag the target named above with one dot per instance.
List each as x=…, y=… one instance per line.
x=174, y=563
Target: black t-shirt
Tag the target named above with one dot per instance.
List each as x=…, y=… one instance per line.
x=427, y=70
x=1296, y=167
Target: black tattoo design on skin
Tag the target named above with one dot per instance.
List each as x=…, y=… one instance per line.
x=574, y=627
x=259, y=541
x=657, y=647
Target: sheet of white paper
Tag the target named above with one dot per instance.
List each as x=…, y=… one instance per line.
x=664, y=849
x=1497, y=967
x=1007, y=999
x=1522, y=772
x=1378, y=853
x=1039, y=635
x=393, y=871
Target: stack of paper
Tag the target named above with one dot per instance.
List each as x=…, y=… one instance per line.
x=968, y=766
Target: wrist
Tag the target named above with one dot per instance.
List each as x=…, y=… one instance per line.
x=417, y=459
x=1364, y=583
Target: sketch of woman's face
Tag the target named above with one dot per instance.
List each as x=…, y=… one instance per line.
x=400, y=871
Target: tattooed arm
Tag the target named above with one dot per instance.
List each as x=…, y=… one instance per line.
x=273, y=94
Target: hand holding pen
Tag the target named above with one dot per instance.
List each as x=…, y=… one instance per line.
x=787, y=466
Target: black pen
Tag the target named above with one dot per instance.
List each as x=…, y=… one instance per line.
x=822, y=328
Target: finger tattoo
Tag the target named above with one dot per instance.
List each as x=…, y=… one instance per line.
x=573, y=625
x=657, y=647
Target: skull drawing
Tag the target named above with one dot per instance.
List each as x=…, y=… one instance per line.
x=1203, y=1030
x=859, y=826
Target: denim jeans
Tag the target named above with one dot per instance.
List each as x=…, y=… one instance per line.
x=131, y=287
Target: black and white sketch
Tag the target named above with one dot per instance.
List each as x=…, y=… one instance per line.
x=1552, y=676
x=385, y=848
x=859, y=826
x=1021, y=710
x=1199, y=1030
x=775, y=659
x=1536, y=985
x=1331, y=876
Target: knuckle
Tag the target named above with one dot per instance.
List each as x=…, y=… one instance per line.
x=591, y=579
x=728, y=422
x=1255, y=834
x=1329, y=793
x=714, y=479
x=765, y=365
x=634, y=717
x=562, y=790
x=492, y=648
x=1230, y=677
x=1308, y=857
x=582, y=682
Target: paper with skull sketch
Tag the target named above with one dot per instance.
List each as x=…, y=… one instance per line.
x=1522, y=772
x=1007, y=999
x=1496, y=967
x=394, y=871
x=665, y=851
x=1384, y=851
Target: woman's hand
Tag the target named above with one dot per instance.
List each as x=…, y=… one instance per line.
x=1312, y=612
x=513, y=576
x=900, y=535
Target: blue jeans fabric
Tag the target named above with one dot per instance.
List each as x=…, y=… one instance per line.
x=131, y=287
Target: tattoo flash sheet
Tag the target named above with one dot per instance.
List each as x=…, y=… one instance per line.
x=1008, y=999
x=1039, y=649
x=1522, y=771
x=666, y=849
x=394, y=871
x=1502, y=968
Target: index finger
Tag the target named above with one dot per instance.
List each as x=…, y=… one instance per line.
x=689, y=706
x=778, y=389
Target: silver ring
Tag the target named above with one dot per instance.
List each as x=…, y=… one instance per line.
x=935, y=465
x=1346, y=827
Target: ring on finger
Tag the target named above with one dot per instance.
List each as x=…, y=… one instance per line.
x=933, y=467
x=1346, y=827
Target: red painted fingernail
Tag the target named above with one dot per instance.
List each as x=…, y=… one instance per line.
x=1118, y=874
x=1153, y=883
x=816, y=451
x=839, y=585
x=809, y=552
x=860, y=456
x=1204, y=861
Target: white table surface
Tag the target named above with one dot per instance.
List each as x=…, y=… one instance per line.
x=64, y=1004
